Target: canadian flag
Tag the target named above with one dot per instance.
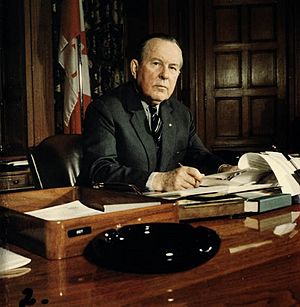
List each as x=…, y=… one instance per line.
x=74, y=59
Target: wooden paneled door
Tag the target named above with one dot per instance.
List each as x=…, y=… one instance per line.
x=245, y=80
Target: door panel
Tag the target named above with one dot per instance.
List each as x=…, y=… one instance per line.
x=246, y=105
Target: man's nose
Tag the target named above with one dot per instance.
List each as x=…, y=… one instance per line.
x=164, y=73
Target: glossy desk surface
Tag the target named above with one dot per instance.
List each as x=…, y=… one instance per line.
x=260, y=276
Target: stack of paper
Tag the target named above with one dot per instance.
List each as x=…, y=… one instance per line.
x=216, y=190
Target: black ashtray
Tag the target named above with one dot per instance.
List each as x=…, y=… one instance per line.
x=153, y=247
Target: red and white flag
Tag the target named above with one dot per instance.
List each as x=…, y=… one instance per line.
x=77, y=94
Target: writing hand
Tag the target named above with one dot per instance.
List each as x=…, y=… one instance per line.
x=184, y=177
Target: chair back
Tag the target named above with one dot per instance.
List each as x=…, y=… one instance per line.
x=55, y=162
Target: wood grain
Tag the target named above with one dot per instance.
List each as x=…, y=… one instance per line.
x=51, y=238
x=266, y=275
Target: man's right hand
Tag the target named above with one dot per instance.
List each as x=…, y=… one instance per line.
x=181, y=178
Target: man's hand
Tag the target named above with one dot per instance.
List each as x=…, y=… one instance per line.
x=181, y=178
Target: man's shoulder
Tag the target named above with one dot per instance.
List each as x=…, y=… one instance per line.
x=176, y=105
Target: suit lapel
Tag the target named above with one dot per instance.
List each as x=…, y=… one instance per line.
x=140, y=124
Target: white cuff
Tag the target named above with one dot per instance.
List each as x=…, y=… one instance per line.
x=149, y=183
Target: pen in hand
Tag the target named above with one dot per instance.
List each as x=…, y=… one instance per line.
x=197, y=182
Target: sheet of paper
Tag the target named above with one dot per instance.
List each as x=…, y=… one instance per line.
x=224, y=178
x=10, y=260
x=296, y=162
x=62, y=212
x=221, y=189
x=276, y=162
x=243, y=176
x=281, y=160
x=208, y=181
x=282, y=171
x=253, y=160
x=187, y=192
x=76, y=209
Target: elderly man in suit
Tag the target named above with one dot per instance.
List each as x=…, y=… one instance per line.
x=121, y=142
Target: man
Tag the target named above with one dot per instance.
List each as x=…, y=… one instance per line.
x=118, y=142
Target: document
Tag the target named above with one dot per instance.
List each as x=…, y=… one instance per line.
x=10, y=260
x=256, y=171
x=276, y=162
x=76, y=209
x=217, y=190
x=264, y=167
x=234, y=178
x=62, y=212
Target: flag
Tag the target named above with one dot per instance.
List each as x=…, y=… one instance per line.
x=73, y=58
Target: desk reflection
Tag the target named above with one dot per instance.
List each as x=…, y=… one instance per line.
x=258, y=276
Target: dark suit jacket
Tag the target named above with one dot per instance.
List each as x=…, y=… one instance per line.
x=118, y=145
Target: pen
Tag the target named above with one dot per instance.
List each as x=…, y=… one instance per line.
x=196, y=181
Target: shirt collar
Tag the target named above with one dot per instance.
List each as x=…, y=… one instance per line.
x=146, y=106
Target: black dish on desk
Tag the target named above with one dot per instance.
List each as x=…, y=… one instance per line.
x=153, y=247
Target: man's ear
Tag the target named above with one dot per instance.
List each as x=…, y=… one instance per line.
x=134, y=66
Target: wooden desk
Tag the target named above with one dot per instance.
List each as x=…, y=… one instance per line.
x=266, y=275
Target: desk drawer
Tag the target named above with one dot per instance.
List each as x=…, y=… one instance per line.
x=15, y=180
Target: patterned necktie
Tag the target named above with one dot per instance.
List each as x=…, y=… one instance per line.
x=156, y=125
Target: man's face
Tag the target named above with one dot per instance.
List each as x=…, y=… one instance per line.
x=158, y=72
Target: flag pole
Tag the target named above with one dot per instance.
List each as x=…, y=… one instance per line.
x=80, y=81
